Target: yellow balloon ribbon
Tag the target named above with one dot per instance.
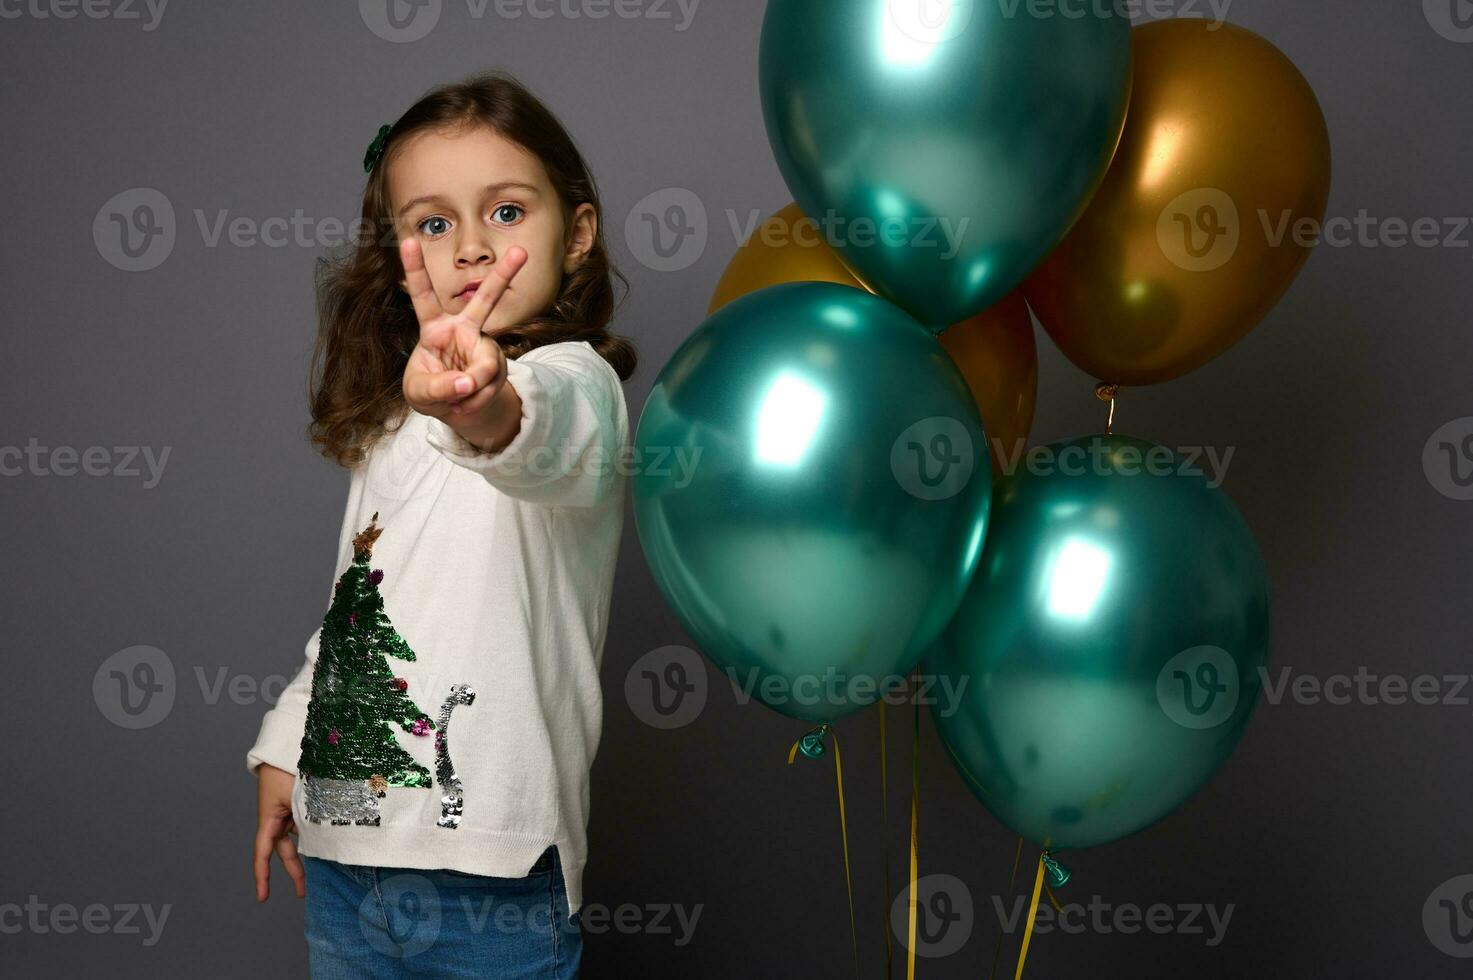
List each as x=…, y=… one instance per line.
x=1032, y=914
x=885, y=839
x=813, y=747
x=915, y=797
x=915, y=817
x=1012, y=882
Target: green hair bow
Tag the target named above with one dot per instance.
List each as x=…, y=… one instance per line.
x=376, y=149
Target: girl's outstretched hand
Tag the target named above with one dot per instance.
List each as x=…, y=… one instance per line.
x=273, y=825
x=455, y=370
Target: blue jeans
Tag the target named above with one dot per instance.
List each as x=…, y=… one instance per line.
x=406, y=922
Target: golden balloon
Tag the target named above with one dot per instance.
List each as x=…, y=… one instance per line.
x=1205, y=216
x=994, y=350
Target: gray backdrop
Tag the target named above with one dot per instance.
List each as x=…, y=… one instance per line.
x=1328, y=833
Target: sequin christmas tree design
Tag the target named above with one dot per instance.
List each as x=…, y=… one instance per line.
x=350, y=755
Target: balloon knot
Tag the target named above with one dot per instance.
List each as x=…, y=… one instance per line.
x=1105, y=391
x=811, y=744
x=1058, y=875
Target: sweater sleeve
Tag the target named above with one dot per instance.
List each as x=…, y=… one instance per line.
x=573, y=424
x=280, y=740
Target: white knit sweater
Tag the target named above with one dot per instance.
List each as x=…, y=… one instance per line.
x=497, y=571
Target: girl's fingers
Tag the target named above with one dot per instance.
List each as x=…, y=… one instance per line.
x=261, y=862
x=436, y=387
x=484, y=300
x=476, y=402
x=286, y=849
x=486, y=364
x=426, y=304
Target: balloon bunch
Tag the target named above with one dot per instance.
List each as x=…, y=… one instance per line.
x=840, y=518
x=1112, y=637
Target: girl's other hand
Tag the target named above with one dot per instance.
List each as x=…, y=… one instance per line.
x=273, y=824
x=453, y=360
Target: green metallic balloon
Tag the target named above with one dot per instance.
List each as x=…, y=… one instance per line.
x=945, y=145
x=811, y=487
x=1108, y=650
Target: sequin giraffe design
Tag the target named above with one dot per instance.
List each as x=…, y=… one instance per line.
x=452, y=803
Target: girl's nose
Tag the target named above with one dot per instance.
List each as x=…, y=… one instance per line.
x=474, y=249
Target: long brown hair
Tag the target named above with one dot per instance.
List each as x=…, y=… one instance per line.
x=366, y=323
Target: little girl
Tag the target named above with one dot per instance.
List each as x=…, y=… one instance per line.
x=432, y=755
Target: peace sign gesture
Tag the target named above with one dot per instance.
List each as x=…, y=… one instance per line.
x=454, y=368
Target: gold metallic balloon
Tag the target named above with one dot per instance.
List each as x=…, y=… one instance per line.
x=994, y=350
x=787, y=247
x=1206, y=215
x=996, y=354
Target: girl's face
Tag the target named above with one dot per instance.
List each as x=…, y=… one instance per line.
x=470, y=194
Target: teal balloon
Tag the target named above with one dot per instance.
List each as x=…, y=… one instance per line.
x=1108, y=650
x=811, y=487
x=969, y=134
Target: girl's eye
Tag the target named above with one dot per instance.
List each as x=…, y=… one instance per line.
x=501, y=211
x=434, y=226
